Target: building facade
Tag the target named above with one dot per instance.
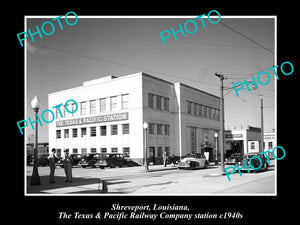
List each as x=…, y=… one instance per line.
x=111, y=112
x=242, y=139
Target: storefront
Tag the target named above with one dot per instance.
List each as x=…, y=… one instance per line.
x=111, y=112
x=242, y=139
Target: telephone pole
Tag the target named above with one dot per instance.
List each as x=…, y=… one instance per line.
x=222, y=127
x=262, y=125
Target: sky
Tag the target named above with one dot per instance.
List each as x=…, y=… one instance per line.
x=98, y=47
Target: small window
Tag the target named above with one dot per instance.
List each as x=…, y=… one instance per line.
x=75, y=150
x=114, y=150
x=189, y=107
x=158, y=102
x=93, y=150
x=74, y=133
x=58, y=134
x=93, y=131
x=114, y=129
x=102, y=104
x=125, y=128
x=166, y=104
x=66, y=133
x=92, y=106
x=83, y=108
x=103, y=150
x=159, y=129
x=83, y=132
x=103, y=130
x=113, y=103
x=150, y=100
x=126, y=152
x=125, y=101
x=151, y=128
x=167, y=130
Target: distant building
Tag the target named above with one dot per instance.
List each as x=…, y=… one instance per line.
x=111, y=112
x=43, y=148
x=269, y=141
x=242, y=139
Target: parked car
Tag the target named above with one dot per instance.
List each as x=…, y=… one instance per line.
x=254, y=162
x=76, y=159
x=234, y=158
x=193, y=161
x=29, y=160
x=90, y=160
x=114, y=159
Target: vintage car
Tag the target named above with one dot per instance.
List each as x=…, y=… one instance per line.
x=254, y=162
x=90, y=160
x=234, y=158
x=114, y=159
x=193, y=161
x=75, y=160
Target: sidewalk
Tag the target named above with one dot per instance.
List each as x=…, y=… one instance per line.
x=86, y=184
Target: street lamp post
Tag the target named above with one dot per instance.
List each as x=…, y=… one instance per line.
x=35, y=178
x=145, y=126
x=216, y=136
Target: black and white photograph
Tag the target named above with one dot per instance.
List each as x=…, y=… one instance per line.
x=150, y=115
x=141, y=114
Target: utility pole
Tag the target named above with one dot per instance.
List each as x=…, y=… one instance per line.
x=262, y=125
x=222, y=127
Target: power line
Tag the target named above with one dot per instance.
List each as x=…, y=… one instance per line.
x=121, y=64
x=244, y=36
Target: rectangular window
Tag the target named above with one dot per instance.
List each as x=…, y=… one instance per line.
x=92, y=106
x=150, y=100
x=103, y=150
x=76, y=113
x=83, y=108
x=125, y=128
x=75, y=151
x=159, y=151
x=114, y=129
x=204, y=111
x=167, y=129
x=114, y=150
x=158, y=102
x=93, y=131
x=66, y=113
x=194, y=109
x=83, y=132
x=199, y=109
x=59, y=110
x=189, y=107
x=166, y=104
x=74, y=133
x=270, y=145
x=167, y=149
x=102, y=130
x=58, y=134
x=208, y=112
x=83, y=151
x=159, y=129
x=102, y=104
x=93, y=150
x=58, y=152
x=151, y=128
x=66, y=133
x=125, y=101
x=113, y=103
x=126, y=152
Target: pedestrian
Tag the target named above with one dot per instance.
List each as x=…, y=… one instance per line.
x=67, y=162
x=173, y=160
x=52, y=160
x=165, y=158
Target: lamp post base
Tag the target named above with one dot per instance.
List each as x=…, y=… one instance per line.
x=35, y=178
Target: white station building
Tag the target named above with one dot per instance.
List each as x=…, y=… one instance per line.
x=112, y=110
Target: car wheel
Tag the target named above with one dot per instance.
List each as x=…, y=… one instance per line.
x=130, y=164
x=112, y=165
x=101, y=167
x=266, y=166
x=83, y=166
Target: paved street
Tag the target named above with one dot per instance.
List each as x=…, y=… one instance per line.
x=159, y=181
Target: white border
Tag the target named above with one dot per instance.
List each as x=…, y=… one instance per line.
x=142, y=17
